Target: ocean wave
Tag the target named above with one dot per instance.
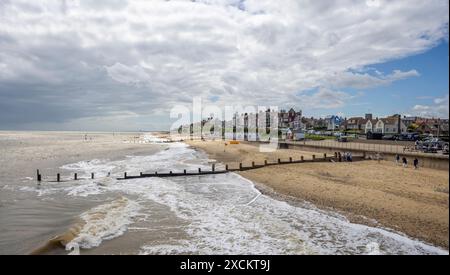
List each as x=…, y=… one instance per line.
x=105, y=222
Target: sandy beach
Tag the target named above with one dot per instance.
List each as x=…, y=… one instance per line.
x=415, y=202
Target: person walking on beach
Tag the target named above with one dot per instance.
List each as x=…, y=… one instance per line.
x=397, y=159
x=405, y=162
x=416, y=163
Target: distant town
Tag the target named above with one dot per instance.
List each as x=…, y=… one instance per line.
x=428, y=135
x=387, y=126
x=292, y=121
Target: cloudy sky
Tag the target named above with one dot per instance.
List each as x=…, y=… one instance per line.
x=123, y=64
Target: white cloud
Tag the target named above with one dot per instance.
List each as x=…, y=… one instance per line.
x=366, y=80
x=440, y=108
x=325, y=98
x=251, y=51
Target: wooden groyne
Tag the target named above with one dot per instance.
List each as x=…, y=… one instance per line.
x=242, y=167
x=236, y=167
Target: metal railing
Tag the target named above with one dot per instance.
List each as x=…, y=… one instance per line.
x=368, y=147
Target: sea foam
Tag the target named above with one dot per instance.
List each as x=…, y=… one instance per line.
x=105, y=222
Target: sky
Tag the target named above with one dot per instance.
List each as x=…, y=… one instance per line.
x=122, y=65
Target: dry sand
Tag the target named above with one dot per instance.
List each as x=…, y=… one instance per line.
x=415, y=202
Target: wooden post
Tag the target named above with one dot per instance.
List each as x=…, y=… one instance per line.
x=125, y=175
x=213, y=167
x=92, y=175
x=58, y=177
x=313, y=157
x=75, y=176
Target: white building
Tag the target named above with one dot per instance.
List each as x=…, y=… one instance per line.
x=389, y=126
x=370, y=126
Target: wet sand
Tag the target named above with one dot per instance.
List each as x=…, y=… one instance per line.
x=415, y=202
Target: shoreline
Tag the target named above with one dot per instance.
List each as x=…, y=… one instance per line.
x=413, y=209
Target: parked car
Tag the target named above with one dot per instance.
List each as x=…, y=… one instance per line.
x=390, y=137
x=374, y=136
x=445, y=149
x=431, y=145
x=342, y=139
x=409, y=137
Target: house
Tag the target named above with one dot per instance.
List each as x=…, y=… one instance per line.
x=356, y=124
x=314, y=123
x=333, y=122
x=290, y=119
x=390, y=126
x=370, y=125
x=435, y=127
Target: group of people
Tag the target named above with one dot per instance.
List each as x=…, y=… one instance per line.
x=404, y=161
x=347, y=156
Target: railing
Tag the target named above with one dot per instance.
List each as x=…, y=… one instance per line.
x=359, y=146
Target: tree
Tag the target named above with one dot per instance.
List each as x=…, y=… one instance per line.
x=413, y=127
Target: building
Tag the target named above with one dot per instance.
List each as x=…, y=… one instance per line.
x=314, y=123
x=435, y=127
x=390, y=126
x=370, y=125
x=290, y=119
x=333, y=122
x=355, y=124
